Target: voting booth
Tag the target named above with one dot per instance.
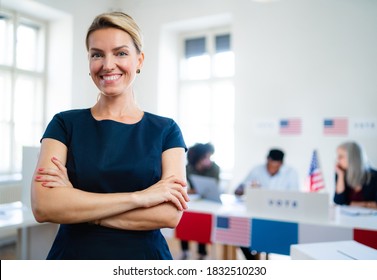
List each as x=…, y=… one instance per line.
x=288, y=204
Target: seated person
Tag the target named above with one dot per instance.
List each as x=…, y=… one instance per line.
x=273, y=175
x=199, y=163
x=356, y=181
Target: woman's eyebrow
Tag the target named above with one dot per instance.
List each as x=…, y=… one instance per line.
x=114, y=49
x=121, y=47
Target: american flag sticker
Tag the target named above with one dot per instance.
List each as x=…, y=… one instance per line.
x=335, y=126
x=292, y=126
x=233, y=231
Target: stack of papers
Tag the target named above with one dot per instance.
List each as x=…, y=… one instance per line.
x=357, y=211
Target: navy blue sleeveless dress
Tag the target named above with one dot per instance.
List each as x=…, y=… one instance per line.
x=108, y=157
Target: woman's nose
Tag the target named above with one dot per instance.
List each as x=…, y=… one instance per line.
x=108, y=63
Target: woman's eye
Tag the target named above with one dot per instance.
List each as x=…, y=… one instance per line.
x=96, y=55
x=122, y=53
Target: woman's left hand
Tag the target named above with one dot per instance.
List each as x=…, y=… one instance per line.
x=51, y=177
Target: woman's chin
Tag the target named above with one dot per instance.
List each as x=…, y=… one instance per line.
x=110, y=93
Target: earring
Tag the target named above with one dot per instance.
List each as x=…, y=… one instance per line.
x=138, y=71
x=90, y=74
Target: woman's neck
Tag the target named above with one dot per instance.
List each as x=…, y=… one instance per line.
x=117, y=108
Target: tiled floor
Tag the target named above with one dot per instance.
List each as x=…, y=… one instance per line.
x=215, y=252
x=8, y=252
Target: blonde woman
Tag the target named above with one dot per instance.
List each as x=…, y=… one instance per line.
x=356, y=181
x=112, y=175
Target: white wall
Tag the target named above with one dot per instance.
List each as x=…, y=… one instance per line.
x=311, y=59
x=307, y=58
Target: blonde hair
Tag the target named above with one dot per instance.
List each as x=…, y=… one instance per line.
x=118, y=20
x=358, y=167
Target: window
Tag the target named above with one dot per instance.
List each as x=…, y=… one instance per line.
x=206, y=93
x=22, y=81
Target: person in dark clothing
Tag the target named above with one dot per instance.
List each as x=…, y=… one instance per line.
x=111, y=175
x=199, y=163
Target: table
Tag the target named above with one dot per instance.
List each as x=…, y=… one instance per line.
x=33, y=239
x=209, y=222
x=231, y=224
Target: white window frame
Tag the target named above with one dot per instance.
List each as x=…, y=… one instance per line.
x=18, y=18
x=210, y=35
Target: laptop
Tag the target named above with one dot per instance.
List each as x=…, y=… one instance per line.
x=207, y=187
x=288, y=204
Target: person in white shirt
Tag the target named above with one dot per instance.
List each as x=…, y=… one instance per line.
x=272, y=175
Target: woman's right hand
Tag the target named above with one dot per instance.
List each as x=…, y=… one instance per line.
x=170, y=189
x=52, y=177
x=339, y=170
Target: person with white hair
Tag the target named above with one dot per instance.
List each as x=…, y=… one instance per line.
x=356, y=180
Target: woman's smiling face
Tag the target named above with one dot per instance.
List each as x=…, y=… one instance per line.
x=113, y=61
